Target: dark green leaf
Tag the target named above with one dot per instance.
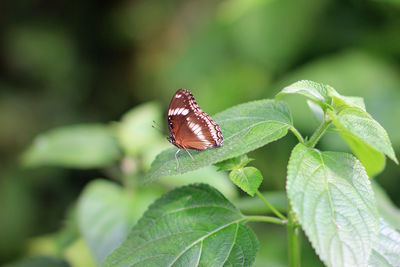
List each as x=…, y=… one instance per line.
x=245, y=127
x=77, y=146
x=386, y=248
x=191, y=226
x=365, y=136
x=248, y=179
x=233, y=163
x=331, y=194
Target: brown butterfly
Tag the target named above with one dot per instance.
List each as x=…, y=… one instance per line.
x=189, y=126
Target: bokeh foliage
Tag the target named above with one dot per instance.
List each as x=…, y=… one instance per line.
x=89, y=62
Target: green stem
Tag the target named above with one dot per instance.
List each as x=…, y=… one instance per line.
x=293, y=240
x=275, y=211
x=318, y=133
x=297, y=134
x=265, y=219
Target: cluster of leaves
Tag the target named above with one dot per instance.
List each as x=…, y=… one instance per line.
x=330, y=194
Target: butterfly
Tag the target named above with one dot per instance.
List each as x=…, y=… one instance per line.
x=189, y=126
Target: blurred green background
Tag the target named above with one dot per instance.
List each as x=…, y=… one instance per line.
x=88, y=62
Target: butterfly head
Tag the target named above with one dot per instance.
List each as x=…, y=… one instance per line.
x=171, y=139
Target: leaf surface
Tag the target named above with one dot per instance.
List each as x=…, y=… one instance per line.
x=366, y=137
x=386, y=208
x=332, y=197
x=247, y=178
x=245, y=127
x=105, y=217
x=386, y=248
x=190, y=226
x=317, y=92
x=77, y=146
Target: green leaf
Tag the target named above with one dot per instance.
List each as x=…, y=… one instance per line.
x=317, y=92
x=190, y=226
x=366, y=137
x=77, y=146
x=386, y=248
x=388, y=211
x=332, y=197
x=340, y=100
x=233, y=163
x=248, y=179
x=245, y=127
x=135, y=132
x=105, y=216
x=316, y=110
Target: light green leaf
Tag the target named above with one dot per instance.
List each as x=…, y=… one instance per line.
x=332, y=197
x=316, y=110
x=77, y=146
x=106, y=213
x=245, y=127
x=387, y=210
x=135, y=132
x=248, y=179
x=190, y=226
x=317, y=92
x=340, y=100
x=366, y=137
x=233, y=163
x=386, y=248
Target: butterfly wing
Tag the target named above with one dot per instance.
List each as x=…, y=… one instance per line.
x=190, y=127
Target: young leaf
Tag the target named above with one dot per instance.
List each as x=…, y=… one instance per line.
x=332, y=197
x=77, y=146
x=105, y=215
x=365, y=136
x=317, y=92
x=245, y=127
x=248, y=179
x=233, y=163
x=386, y=248
x=190, y=226
x=340, y=100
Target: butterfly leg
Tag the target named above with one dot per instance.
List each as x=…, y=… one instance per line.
x=176, y=158
x=189, y=153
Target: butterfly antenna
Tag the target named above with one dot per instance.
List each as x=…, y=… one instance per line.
x=176, y=158
x=189, y=154
x=156, y=126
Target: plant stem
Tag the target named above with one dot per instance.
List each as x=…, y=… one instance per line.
x=318, y=133
x=297, y=134
x=293, y=240
x=275, y=211
x=265, y=219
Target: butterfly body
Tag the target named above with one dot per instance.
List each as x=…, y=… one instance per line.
x=189, y=126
